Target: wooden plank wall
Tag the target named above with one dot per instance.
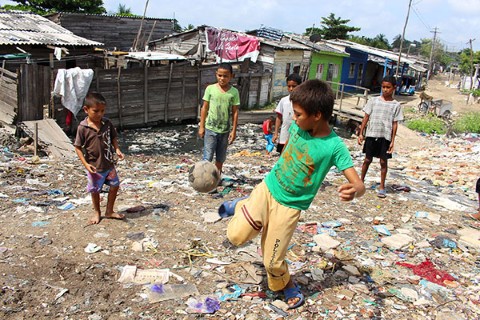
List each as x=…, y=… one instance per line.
x=137, y=97
x=114, y=31
x=8, y=87
x=33, y=91
x=149, y=96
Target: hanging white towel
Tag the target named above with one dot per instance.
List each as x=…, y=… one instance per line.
x=72, y=85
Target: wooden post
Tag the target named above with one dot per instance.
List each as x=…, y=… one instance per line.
x=150, y=35
x=52, y=84
x=35, y=140
x=135, y=42
x=259, y=89
x=182, y=114
x=167, y=96
x=199, y=91
x=342, y=86
x=119, y=98
x=145, y=93
x=97, y=80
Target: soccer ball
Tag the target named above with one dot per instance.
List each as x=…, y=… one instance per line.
x=203, y=176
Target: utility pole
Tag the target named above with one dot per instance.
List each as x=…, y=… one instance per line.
x=471, y=67
x=403, y=37
x=471, y=63
x=435, y=31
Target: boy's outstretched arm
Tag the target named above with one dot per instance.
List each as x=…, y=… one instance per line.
x=354, y=188
x=233, y=133
x=278, y=123
x=394, y=133
x=87, y=166
x=361, y=138
x=119, y=152
x=203, y=116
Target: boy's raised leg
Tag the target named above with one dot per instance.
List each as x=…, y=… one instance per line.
x=112, y=196
x=95, y=218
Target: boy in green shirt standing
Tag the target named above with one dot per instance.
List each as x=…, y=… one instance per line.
x=275, y=204
x=219, y=116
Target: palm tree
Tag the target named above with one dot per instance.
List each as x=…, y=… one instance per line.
x=124, y=11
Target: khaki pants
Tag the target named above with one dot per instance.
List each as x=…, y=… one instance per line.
x=261, y=211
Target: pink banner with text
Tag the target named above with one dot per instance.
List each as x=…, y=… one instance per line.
x=231, y=46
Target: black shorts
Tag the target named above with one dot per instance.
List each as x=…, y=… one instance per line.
x=376, y=147
x=477, y=189
x=280, y=147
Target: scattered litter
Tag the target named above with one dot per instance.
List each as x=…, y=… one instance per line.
x=161, y=292
x=92, y=248
x=131, y=274
x=203, y=305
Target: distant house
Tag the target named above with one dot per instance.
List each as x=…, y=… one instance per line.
x=282, y=56
x=282, y=59
x=354, y=66
x=255, y=80
x=326, y=62
x=115, y=32
x=366, y=65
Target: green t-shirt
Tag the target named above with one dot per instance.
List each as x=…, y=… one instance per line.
x=220, y=107
x=304, y=163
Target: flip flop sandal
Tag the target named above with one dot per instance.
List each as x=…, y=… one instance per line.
x=291, y=293
x=227, y=209
x=381, y=193
x=470, y=216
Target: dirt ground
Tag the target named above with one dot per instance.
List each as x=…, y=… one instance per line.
x=46, y=272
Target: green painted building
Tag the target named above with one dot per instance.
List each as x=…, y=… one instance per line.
x=325, y=61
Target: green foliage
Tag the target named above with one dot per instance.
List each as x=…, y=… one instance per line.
x=50, y=6
x=379, y=41
x=429, y=124
x=466, y=60
x=189, y=27
x=332, y=28
x=469, y=122
x=124, y=11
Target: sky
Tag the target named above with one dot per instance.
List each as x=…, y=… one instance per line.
x=457, y=21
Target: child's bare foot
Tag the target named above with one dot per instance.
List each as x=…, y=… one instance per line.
x=115, y=215
x=94, y=219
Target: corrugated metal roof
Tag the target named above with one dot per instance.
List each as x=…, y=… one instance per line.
x=371, y=50
x=22, y=28
x=136, y=17
x=284, y=45
x=154, y=56
x=320, y=47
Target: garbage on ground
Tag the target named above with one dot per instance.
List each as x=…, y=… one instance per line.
x=203, y=305
x=169, y=252
x=161, y=292
x=131, y=274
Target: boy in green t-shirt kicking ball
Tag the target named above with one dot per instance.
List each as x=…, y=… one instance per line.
x=219, y=116
x=275, y=204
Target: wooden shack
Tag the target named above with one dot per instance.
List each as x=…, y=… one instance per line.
x=282, y=59
x=31, y=48
x=115, y=32
x=252, y=80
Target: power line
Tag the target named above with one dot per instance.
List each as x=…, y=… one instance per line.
x=420, y=18
x=403, y=37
